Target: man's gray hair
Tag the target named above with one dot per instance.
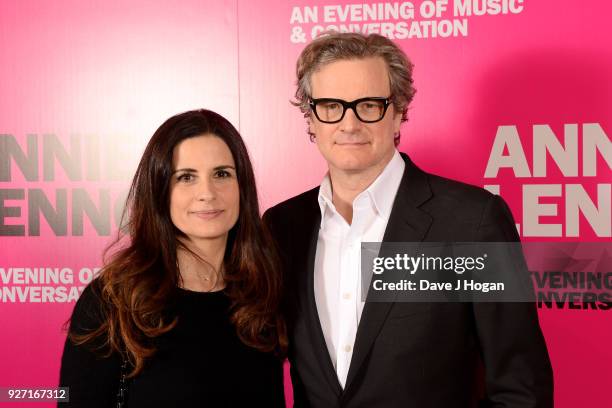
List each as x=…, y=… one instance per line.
x=331, y=46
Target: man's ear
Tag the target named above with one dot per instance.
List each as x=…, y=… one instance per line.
x=397, y=122
x=310, y=129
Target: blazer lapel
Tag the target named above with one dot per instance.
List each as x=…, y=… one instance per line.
x=407, y=223
x=316, y=332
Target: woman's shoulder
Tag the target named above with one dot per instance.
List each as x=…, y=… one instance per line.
x=89, y=311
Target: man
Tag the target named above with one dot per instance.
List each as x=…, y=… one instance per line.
x=355, y=91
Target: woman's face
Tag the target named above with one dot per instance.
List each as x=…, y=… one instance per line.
x=204, y=194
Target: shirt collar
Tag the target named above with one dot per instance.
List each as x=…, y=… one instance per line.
x=325, y=198
x=381, y=192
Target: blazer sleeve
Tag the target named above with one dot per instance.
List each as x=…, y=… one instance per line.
x=93, y=380
x=518, y=371
x=282, y=240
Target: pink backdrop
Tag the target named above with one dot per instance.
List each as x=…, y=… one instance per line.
x=91, y=81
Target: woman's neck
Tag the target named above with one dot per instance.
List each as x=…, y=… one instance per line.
x=201, y=264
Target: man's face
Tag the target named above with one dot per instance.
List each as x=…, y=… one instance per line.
x=350, y=145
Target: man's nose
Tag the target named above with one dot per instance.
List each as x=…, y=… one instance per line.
x=349, y=122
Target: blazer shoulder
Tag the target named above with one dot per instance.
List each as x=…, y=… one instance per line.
x=471, y=209
x=297, y=204
x=454, y=190
x=435, y=192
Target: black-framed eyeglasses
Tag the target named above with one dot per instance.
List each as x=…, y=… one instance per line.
x=368, y=110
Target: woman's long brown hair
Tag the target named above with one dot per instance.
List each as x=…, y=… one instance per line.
x=136, y=286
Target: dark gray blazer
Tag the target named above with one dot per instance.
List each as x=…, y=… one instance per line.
x=415, y=354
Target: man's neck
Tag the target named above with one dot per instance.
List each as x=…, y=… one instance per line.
x=346, y=185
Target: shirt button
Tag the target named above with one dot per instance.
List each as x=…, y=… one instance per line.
x=346, y=296
x=348, y=348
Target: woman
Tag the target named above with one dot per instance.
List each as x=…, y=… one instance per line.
x=186, y=312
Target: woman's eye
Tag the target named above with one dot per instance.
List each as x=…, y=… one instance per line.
x=222, y=174
x=185, y=177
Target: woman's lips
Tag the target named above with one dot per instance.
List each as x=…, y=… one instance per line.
x=207, y=214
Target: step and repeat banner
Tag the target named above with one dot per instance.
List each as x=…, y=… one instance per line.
x=512, y=95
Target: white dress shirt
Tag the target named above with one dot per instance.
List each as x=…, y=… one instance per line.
x=337, y=274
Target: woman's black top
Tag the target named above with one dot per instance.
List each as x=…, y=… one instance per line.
x=199, y=363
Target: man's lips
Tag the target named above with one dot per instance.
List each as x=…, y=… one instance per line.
x=207, y=214
x=352, y=144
